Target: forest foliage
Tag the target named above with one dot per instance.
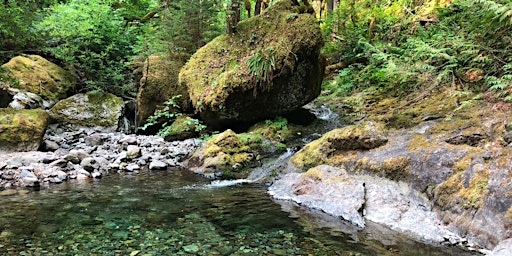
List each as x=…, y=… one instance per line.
x=392, y=45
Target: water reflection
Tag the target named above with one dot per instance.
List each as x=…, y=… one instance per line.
x=176, y=213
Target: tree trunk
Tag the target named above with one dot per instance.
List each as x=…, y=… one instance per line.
x=233, y=16
x=257, y=8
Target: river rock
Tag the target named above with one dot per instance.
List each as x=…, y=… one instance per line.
x=22, y=130
x=276, y=68
x=363, y=137
x=157, y=165
x=89, y=110
x=40, y=76
x=29, y=179
x=357, y=198
x=50, y=145
x=132, y=167
x=502, y=249
x=325, y=188
x=26, y=100
x=223, y=155
x=132, y=152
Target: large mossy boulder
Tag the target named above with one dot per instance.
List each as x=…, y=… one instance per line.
x=159, y=83
x=40, y=76
x=22, y=130
x=89, y=110
x=270, y=65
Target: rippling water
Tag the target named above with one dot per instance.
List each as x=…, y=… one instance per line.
x=179, y=213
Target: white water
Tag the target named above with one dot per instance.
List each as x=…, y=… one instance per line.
x=258, y=174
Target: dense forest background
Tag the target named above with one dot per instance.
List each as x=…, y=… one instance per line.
x=395, y=46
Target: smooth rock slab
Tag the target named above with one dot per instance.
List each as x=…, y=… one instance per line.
x=325, y=188
x=357, y=198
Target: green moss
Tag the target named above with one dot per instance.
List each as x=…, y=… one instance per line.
x=39, y=76
x=22, y=129
x=454, y=191
x=92, y=109
x=218, y=69
x=159, y=84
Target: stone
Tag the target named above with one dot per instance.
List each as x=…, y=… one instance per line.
x=361, y=198
x=157, y=165
x=22, y=130
x=504, y=248
x=29, y=179
x=89, y=164
x=94, y=140
x=159, y=83
x=227, y=91
x=363, y=137
x=49, y=145
x=8, y=192
x=184, y=127
x=40, y=76
x=26, y=100
x=324, y=188
x=79, y=153
x=132, y=152
x=132, y=167
x=89, y=110
x=130, y=140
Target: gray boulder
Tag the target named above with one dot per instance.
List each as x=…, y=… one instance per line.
x=89, y=110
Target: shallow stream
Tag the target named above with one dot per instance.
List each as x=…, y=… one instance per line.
x=175, y=212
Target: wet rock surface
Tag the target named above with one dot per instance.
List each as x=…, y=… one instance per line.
x=88, y=154
x=361, y=198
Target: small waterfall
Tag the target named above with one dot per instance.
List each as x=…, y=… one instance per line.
x=258, y=174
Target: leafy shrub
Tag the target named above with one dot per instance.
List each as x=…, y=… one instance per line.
x=92, y=37
x=164, y=118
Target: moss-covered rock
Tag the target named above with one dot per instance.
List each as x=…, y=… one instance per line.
x=271, y=64
x=226, y=155
x=159, y=83
x=336, y=142
x=90, y=110
x=40, y=76
x=184, y=127
x=22, y=130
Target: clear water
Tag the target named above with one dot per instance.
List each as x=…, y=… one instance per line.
x=179, y=213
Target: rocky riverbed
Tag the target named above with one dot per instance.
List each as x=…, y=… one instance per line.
x=88, y=153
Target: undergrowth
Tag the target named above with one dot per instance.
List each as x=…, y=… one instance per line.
x=411, y=45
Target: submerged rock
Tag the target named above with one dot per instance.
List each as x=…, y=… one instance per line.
x=270, y=65
x=22, y=130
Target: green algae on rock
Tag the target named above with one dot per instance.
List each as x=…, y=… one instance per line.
x=355, y=137
x=270, y=65
x=89, y=110
x=22, y=130
x=40, y=76
x=159, y=83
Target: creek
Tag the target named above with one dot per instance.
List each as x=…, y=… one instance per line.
x=175, y=212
